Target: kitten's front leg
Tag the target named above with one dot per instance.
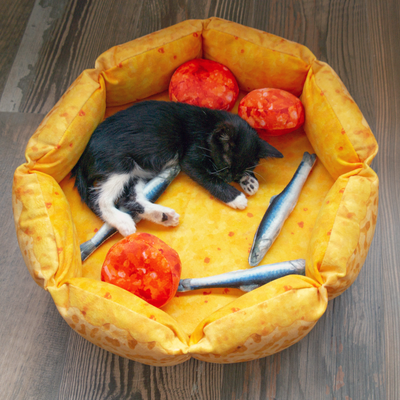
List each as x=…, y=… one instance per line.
x=218, y=188
x=228, y=194
x=239, y=202
x=249, y=183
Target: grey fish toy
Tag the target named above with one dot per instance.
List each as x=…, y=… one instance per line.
x=246, y=280
x=279, y=209
x=152, y=190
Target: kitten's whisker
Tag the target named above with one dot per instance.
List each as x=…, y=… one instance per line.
x=253, y=166
x=216, y=172
x=215, y=167
x=256, y=165
x=204, y=148
x=203, y=154
x=259, y=175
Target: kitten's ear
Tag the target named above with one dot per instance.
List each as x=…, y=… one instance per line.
x=266, y=150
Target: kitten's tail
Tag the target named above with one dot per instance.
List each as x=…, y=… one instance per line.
x=81, y=182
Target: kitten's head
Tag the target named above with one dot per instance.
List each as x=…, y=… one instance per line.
x=236, y=148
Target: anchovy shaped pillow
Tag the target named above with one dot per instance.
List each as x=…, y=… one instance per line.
x=246, y=280
x=278, y=211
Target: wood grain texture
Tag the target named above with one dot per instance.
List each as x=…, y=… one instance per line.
x=353, y=351
x=383, y=18
x=14, y=16
x=26, y=346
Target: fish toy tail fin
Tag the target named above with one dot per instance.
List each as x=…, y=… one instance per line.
x=184, y=285
x=87, y=249
x=309, y=158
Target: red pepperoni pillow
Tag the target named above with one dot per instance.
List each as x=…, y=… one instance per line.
x=204, y=83
x=272, y=112
x=145, y=266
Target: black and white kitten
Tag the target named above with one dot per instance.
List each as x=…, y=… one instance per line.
x=132, y=146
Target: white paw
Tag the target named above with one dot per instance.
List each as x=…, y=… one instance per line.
x=240, y=202
x=161, y=215
x=126, y=227
x=170, y=218
x=249, y=184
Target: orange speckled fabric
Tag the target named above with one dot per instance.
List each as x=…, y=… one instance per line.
x=332, y=225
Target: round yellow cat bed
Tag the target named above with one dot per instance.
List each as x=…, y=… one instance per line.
x=331, y=227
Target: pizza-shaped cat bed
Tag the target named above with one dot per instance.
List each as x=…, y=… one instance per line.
x=331, y=227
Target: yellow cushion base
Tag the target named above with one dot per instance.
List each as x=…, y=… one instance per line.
x=331, y=227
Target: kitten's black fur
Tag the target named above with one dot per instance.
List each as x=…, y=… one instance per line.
x=212, y=147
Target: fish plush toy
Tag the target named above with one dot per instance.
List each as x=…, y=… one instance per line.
x=278, y=211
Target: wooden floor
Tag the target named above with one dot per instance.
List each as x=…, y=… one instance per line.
x=354, y=350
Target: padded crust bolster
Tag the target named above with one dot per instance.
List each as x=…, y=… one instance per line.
x=257, y=58
x=115, y=320
x=343, y=231
x=334, y=124
x=143, y=67
x=261, y=322
x=42, y=215
x=45, y=229
x=347, y=112
x=64, y=133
